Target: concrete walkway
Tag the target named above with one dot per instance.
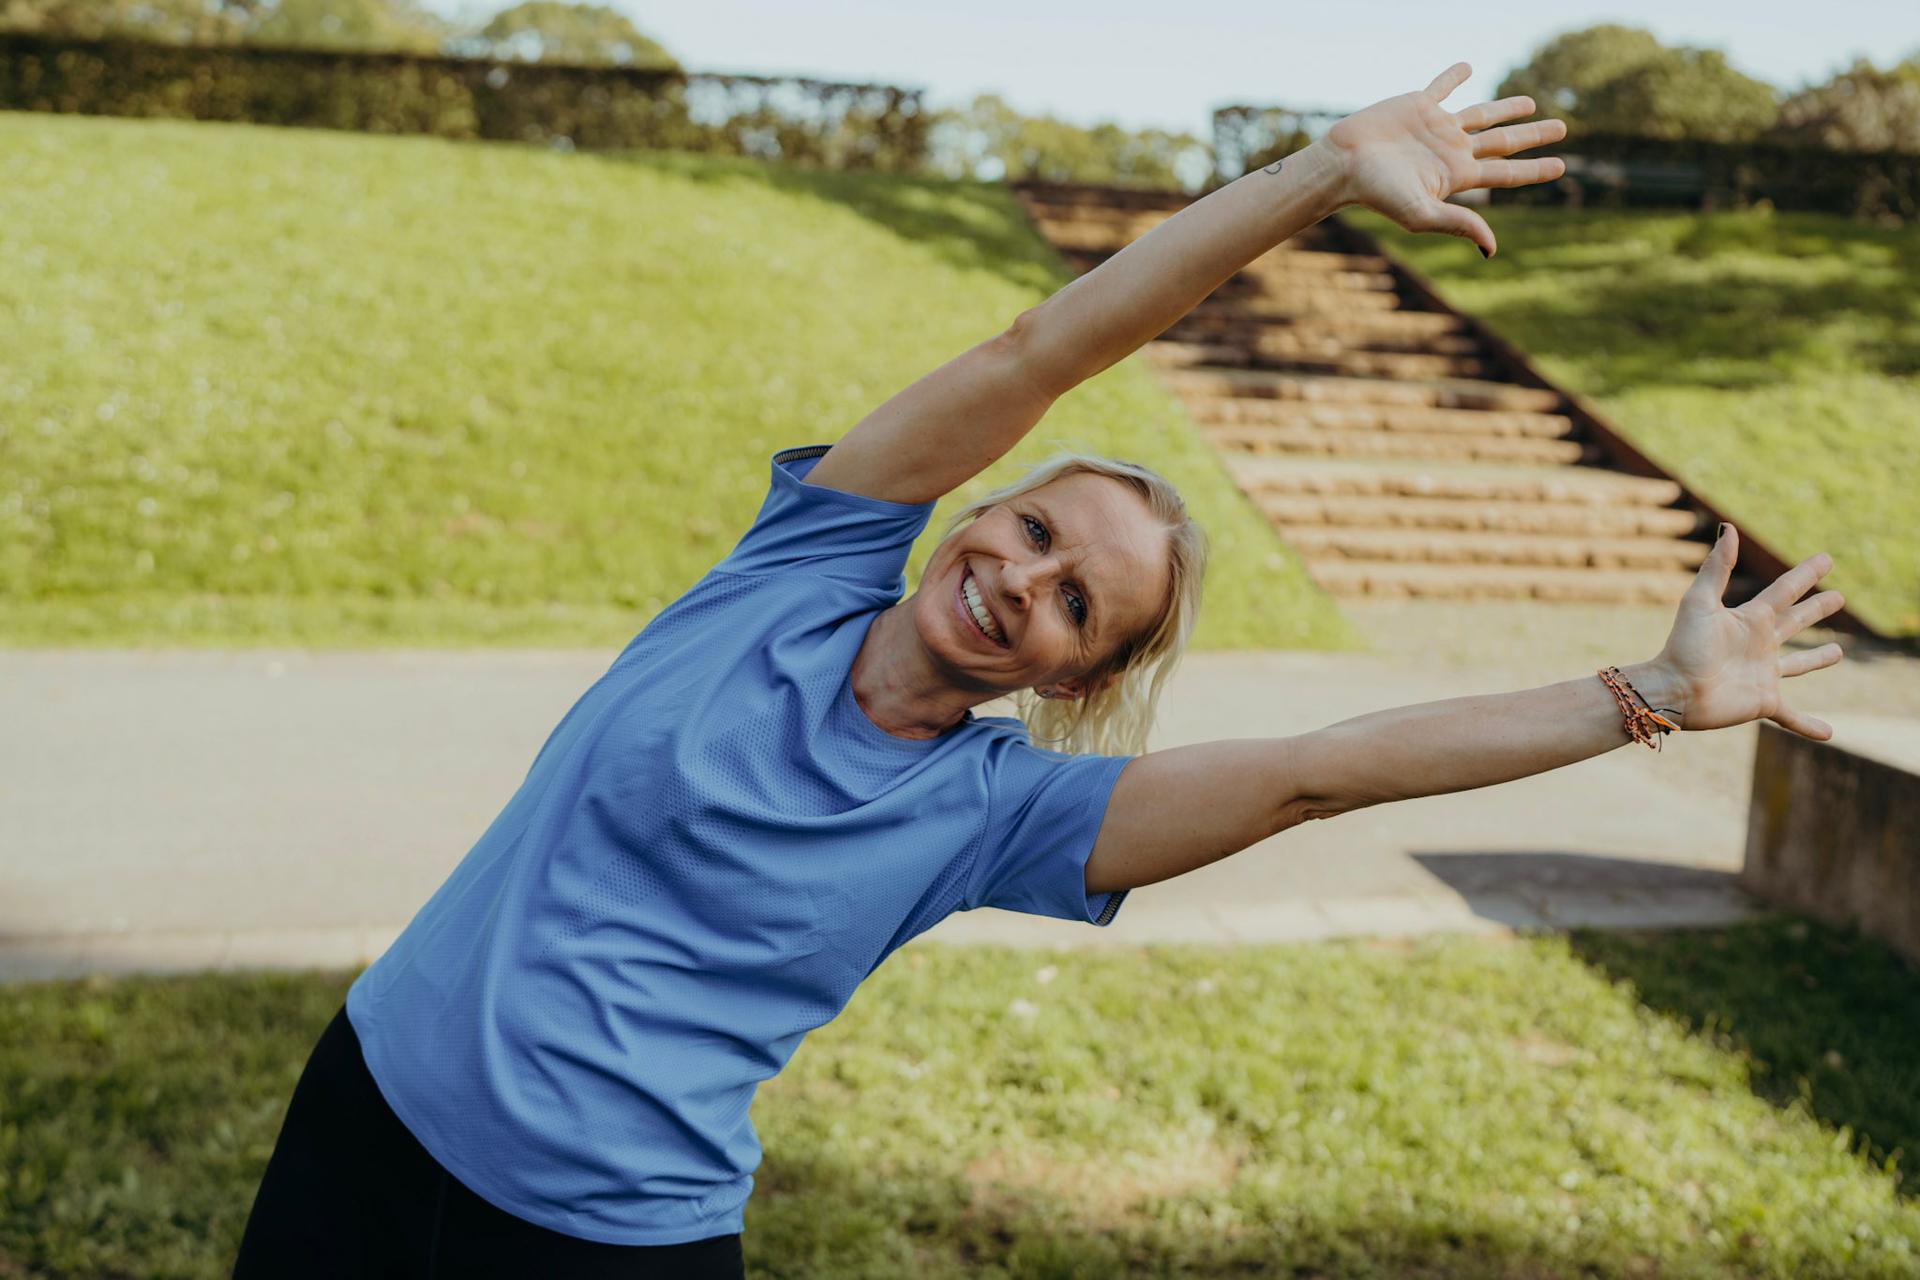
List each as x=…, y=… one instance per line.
x=168, y=811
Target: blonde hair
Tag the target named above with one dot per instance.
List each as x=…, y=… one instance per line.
x=1115, y=714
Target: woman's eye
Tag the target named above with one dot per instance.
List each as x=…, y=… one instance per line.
x=1036, y=531
x=1077, y=608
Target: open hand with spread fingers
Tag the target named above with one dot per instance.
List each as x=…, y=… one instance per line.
x=1726, y=663
x=1403, y=157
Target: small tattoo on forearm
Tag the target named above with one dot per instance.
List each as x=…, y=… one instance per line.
x=1275, y=166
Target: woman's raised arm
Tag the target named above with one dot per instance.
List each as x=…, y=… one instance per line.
x=1178, y=810
x=1402, y=157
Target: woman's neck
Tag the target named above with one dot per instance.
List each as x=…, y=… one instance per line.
x=897, y=685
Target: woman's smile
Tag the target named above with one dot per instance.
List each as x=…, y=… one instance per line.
x=973, y=607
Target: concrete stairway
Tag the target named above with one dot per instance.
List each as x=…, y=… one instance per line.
x=1398, y=446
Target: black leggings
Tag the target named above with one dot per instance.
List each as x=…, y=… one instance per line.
x=349, y=1192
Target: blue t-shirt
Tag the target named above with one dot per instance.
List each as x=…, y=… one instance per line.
x=709, y=854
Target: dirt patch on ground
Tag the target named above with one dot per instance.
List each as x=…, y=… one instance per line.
x=1544, y=1050
x=1105, y=1191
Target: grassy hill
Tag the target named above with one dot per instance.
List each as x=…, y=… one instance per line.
x=269, y=386
x=1768, y=360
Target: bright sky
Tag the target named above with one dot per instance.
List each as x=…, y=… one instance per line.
x=1170, y=63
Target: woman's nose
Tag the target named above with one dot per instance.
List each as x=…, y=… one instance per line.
x=1020, y=579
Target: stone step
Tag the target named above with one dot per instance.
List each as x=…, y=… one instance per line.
x=1344, y=270
x=1293, y=339
x=1081, y=233
x=1473, y=482
x=1290, y=338
x=1386, y=580
x=1580, y=519
x=1306, y=271
x=1449, y=546
x=1248, y=301
x=1370, y=325
x=1082, y=230
x=1359, y=364
x=1438, y=393
x=1101, y=236
x=1210, y=411
x=1279, y=273
x=1338, y=443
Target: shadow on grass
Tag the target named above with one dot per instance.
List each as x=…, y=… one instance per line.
x=1781, y=294
x=1825, y=1015
x=976, y=226
x=813, y=1217
x=1739, y=332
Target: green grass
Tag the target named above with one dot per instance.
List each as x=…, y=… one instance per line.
x=1726, y=1103
x=271, y=386
x=1768, y=360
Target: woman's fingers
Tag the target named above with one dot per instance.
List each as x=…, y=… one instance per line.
x=1804, y=725
x=1795, y=582
x=1518, y=173
x=1709, y=586
x=1810, y=611
x=1517, y=137
x=1483, y=114
x=1802, y=661
x=1458, y=220
x=1449, y=80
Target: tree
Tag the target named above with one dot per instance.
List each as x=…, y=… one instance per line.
x=170, y=21
x=990, y=139
x=1860, y=109
x=387, y=25
x=1567, y=69
x=1687, y=93
x=1616, y=79
x=556, y=31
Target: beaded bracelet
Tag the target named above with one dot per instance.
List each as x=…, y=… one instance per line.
x=1645, y=722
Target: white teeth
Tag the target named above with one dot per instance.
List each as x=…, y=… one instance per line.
x=971, y=592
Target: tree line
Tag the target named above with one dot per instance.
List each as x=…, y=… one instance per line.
x=530, y=31
x=1603, y=80
x=1619, y=80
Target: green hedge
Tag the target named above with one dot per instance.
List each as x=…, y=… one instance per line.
x=1622, y=170
x=843, y=126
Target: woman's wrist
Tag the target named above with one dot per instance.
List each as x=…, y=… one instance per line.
x=1320, y=171
x=1661, y=686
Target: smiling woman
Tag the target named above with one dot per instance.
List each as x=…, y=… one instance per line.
x=781, y=780
x=1113, y=543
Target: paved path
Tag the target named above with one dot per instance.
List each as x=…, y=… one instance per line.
x=207, y=810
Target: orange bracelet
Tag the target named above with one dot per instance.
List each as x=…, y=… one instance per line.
x=1646, y=724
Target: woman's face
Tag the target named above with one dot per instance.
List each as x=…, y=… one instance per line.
x=1041, y=588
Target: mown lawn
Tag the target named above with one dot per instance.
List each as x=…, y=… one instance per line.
x=1726, y=1103
x=272, y=386
x=1769, y=360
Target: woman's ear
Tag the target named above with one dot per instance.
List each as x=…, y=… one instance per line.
x=1071, y=689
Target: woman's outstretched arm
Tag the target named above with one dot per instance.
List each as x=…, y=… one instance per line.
x=1402, y=157
x=1175, y=811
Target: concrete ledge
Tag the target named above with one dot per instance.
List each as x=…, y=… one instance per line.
x=54, y=956
x=1836, y=835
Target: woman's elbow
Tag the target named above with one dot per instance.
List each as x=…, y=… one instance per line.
x=1024, y=344
x=1314, y=808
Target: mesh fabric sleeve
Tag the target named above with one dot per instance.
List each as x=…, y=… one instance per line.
x=808, y=528
x=1044, y=813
